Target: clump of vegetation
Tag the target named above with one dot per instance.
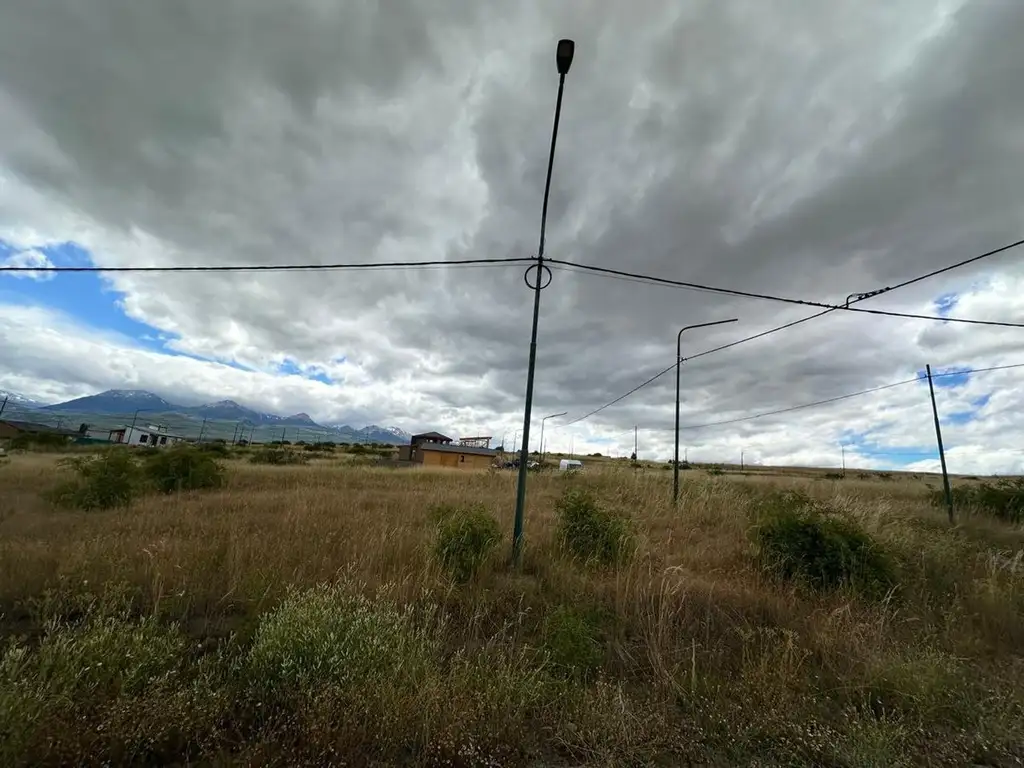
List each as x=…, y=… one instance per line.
x=799, y=540
x=183, y=468
x=332, y=638
x=41, y=441
x=591, y=532
x=834, y=476
x=217, y=448
x=1002, y=499
x=714, y=470
x=277, y=457
x=466, y=538
x=318, y=447
x=572, y=643
x=104, y=480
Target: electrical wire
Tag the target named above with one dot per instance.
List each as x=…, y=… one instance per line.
x=816, y=315
x=306, y=267
x=851, y=394
x=651, y=279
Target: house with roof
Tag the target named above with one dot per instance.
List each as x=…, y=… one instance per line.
x=432, y=449
x=148, y=437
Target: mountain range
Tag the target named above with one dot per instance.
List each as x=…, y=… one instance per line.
x=129, y=402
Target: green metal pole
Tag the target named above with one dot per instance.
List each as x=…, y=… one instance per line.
x=524, y=456
x=942, y=451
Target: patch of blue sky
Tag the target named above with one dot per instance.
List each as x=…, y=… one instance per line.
x=314, y=373
x=946, y=303
x=88, y=299
x=947, y=378
x=861, y=444
x=82, y=296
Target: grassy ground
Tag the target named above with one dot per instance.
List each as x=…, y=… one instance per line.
x=298, y=616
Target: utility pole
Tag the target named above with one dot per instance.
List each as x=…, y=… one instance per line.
x=844, y=459
x=283, y=431
x=636, y=454
x=202, y=429
x=679, y=360
x=942, y=452
x=742, y=451
x=563, y=59
x=3, y=404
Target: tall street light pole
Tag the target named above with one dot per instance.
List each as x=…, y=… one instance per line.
x=563, y=60
x=552, y=416
x=679, y=359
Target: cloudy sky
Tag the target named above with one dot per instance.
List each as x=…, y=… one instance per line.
x=803, y=149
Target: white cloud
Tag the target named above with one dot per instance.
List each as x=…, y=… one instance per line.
x=810, y=152
x=29, y=258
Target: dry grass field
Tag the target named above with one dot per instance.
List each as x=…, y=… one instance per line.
x=300, y=615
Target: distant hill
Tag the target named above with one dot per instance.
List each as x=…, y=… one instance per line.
x=114, y=401
x=16, y=399
x=188, y=419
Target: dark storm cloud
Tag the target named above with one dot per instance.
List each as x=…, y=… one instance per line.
x=794, y=149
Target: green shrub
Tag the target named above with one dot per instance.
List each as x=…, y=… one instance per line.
x=104, y=690
x=714, y=469
x=465, y=540
x=590, y=532
x=327, y=638
x=798, y=540
x=1002, y=499
x=277, y=457
x=572, y=643
x=183, y=468
x=217, y=448
x=108, y=479
x=41, y=441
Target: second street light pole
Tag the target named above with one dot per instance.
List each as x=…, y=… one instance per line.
x=679, y=359
x=563, y=59
x=552, y=416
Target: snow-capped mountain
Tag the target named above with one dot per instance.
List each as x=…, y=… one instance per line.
x=115, y=401
x=123, y=402
x=19, y=400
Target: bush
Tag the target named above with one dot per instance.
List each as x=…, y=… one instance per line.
x=465, y=539
x=1003, y=499
x=105, y=480
x=572, y=644
x=217, y=448
x=41, y=441
x=183, y=468
x=714, y=469
x=797, y=540
x=328, y=639
x=277, y=457
x=591, y=533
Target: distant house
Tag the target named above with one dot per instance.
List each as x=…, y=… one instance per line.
x=9, y=430
x=436, y=450
x=147, y=437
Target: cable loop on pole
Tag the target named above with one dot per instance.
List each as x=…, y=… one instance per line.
x=533, y=286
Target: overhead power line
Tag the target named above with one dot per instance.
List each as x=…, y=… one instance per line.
x=654, y=280
x=305, y=267
x=850, y=394
x=815, y=316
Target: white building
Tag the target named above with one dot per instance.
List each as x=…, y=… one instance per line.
x=148, y=437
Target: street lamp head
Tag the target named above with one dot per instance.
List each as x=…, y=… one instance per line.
x=563, y=55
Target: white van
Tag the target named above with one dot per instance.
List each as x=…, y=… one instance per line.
x=567, y=465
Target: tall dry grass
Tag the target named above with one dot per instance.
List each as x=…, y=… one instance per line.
x=700, y=655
